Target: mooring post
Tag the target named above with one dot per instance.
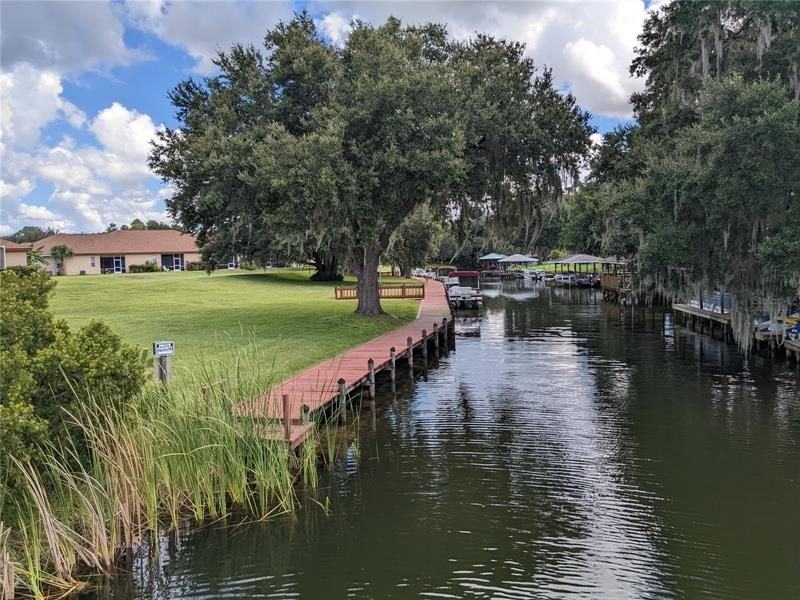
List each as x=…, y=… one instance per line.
x=410, y=343
x=371, y=369
x=287, y=418
x=425, y=349
x=342, y=401
x=305, y=414
x=393, y=363
x=436, y=341
x=444, y=334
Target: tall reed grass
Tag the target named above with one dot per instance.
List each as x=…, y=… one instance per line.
x=121, y=475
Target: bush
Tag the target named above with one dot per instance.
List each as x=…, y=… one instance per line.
x=145, y=268
x=24, y=270
x=195, y=265
x=43, y=364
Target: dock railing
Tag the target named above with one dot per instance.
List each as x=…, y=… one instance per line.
x=398, y=291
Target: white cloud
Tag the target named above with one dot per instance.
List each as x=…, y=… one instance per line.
x=65, y=36
x=589, y=45
x=125, y=135
x=204, y=28
x=335, y=27
x=29, y=100
x=93, y=183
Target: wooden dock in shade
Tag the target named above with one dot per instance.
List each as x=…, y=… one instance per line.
x=335, y=380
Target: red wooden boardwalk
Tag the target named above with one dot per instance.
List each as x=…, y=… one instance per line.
x=318, y=386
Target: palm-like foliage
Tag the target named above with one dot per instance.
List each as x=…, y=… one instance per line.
x=59, y=253
x=35, y=257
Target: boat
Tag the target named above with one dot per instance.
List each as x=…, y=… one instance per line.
x=587, y=281
x=567, y=279
x=533, y=274
x=467, y=292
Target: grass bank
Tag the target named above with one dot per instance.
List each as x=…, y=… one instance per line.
x=297, y=321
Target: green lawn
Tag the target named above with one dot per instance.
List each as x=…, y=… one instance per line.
x=278, y=316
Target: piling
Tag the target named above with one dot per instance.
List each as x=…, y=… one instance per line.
x=436, y=342
x=425, y=349
x=287, y=418
x=410, y=343
x=371, y=369
x=342, y=401
x=444, y=337
x=393, y=364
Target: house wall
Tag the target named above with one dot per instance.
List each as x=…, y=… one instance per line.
x=73, y=265
x=16, y=259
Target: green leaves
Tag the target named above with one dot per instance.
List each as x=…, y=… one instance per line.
x=310, y=148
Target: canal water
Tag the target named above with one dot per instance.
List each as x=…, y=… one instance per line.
x=568, y=448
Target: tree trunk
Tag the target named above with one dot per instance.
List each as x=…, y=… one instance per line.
x=369, y=300
x=327, y=267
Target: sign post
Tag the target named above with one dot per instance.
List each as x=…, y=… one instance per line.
x=163, y=352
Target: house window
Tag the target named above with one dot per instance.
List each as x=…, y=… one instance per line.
x=91, y=261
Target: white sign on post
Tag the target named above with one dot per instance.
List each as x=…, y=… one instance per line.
x=163, y=348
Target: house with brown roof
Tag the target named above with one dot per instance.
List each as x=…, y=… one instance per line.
x=13, y=254
x=116, y=251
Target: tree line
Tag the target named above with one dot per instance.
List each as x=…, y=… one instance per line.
x=702, y=191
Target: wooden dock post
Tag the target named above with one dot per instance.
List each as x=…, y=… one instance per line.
x=425, y=349
x=287, y=418
x=371, y=370
x=444, y=336
x=393, y=363
x=410, y=342
x=342, y=401
x=436, y=341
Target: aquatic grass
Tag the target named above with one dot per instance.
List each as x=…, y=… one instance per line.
x=122, y=475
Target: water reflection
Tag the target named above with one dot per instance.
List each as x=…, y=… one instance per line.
x=573, y=448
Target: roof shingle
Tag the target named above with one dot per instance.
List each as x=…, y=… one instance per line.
x=123, y=241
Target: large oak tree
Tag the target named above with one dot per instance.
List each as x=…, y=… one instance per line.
x=331, y=149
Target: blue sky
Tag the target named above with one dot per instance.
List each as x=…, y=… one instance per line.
x=84, y=84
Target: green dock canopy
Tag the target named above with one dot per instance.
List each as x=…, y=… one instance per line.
x=493, y=256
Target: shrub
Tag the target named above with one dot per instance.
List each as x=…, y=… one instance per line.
x=195, y=265
x=42, y=363
x=145, y=268
x=24, y=270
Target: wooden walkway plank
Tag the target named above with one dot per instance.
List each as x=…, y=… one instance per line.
x=318, y=386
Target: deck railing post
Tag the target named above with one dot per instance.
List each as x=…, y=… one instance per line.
x=393, y=360
x=410, y=343
x=287, y=418
x=342, y=401
x=371, y=370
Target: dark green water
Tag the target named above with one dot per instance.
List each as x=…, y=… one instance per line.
x=573, y=449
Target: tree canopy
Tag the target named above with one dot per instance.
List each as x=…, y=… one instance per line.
x=328, y=150
x=703, y=190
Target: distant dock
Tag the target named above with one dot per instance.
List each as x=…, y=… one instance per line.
x=335, y=380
